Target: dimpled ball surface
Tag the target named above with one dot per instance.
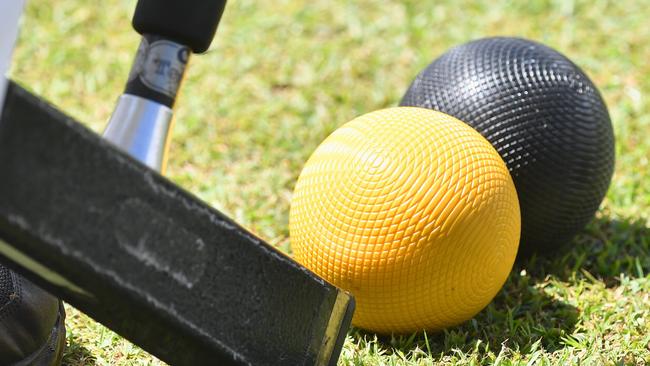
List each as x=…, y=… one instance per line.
x=413, y=212
x=546, y=119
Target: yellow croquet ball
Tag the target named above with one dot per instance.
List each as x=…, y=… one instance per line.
x=413, y=212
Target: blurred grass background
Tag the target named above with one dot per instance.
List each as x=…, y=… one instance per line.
x=282, y=75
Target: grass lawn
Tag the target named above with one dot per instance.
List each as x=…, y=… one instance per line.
x=282, y=75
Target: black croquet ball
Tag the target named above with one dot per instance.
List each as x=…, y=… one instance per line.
x=546, y=119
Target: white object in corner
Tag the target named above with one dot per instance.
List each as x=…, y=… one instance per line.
x=10, y=11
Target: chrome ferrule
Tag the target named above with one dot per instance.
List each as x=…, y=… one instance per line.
x=140, y=127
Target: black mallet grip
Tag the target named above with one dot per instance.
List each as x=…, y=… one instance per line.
x=189, y=22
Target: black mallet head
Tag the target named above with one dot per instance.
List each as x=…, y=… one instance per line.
x=543, y=115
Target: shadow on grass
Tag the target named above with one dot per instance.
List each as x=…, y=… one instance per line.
x=606, y=249
x=77, y=355
x=523, y=316
x=520, y=317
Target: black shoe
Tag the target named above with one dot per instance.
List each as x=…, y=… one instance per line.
x=32, y=323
